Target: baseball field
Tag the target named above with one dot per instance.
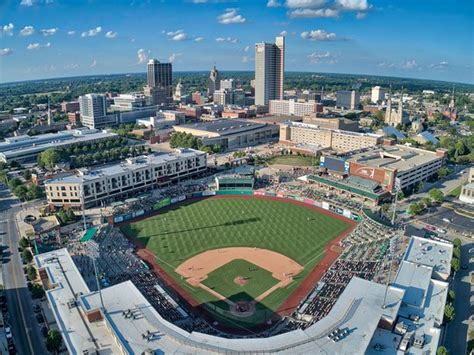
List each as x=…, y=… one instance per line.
x=239, y=258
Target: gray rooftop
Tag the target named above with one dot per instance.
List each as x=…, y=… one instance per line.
x=432, y=253
x=224, y=127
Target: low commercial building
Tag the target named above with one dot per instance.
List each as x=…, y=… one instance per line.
x=163, y=119
x=341, y=123
x=90, y=187
x=338, y=140
x=128, y=102
x=27, y=148
x=71, y=106
x=291, y=107
x=231, y=134
x=389, y=163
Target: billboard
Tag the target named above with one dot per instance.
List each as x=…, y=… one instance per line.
x=380, y=175
x=335, y=164
x=325, y=205
x=118, y=219
x=162, y=203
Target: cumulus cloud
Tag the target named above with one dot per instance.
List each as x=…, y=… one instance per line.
x=178, y=35
x=26, y=3
x=322, y=57
x=174, y=56
x=284, y=33
x=409, y=64
x=49, y=31
x=92, y=32
x=199, y=39
x=5, y=51
x=70, y=33
x=94, y=64
x=227, y=39
x=32, y=46
x=440, y=65
x=231, y=16
x=27, y=31
x=7, y=30
x=305, y=4
x=111, y=34
x=353, y=5
x=311, y=13
x=29, y=3
x=319, y=35
x=247, y=48
x=273, y=3
x=142, y=56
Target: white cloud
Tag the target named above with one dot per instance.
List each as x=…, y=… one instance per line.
x=142, y=57
x=174, y=56
x=247, y=59
x=323, y=57
x=49, y=31
x=7, y=30
x=92, y=32
x=227, y=39
x=284, y=33
x=199, y=1
x=178, y=35
x=71, y=33
x=319, y=35
x=273, y=3
x=94, y=64
x=246, y=49
x=231, y=16
x=71, y=66
x=26, y=3
x=199, y=39
x=38, y=46
x=311, y=13
x=111, y=34
x=353, y=5
x=27, y=31
x=305, y=4
x=409, y=64
x=5, y=51
x=29, y=3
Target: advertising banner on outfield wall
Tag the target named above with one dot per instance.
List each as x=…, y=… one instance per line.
x=271, y=194
x=174, y=200
x=208, y=193
x=181, y=198
x=309, y=201
x=325, y=205
x=196, y=194
x=280, y=194
x=259, y=193
x=139, y=213
x=118, y=219
x=162, y=203
x=318, y=204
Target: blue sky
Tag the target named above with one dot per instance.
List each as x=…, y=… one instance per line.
x=409, y=38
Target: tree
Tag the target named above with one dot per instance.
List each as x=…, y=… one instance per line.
x=31, y=273
x=457, y=243
x=414, y=209
x=26, y=256
x=419, y=186
x=49, y=158
x=33, y=192
x=20, y=192
x=426, y=201
x=54, y=340
x=457, y=252
x=455, y=264
x=37, y=291
x=451, y=295
x=436, y=195
x=27, y=174
x=442, y=351
x=449, y=312
x=24, y=243
x=443, y=171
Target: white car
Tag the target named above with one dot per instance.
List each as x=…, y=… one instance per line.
x=8, y=333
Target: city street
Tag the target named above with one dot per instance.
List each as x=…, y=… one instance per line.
x=27, y=337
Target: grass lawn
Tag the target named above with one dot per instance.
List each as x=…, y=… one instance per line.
x=193, y=227
x=455, y=192
x=222, y=280
x=293, y=160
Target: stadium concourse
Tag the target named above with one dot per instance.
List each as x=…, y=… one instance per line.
x=345, y=312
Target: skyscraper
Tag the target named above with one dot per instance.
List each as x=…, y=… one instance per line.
x=269, y=71
x=93, y=108
x=214, y=82
x=377, y=94
x=159, y=80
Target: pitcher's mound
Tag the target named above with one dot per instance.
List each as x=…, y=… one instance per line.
x=240, y=280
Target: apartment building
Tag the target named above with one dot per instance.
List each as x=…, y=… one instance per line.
x=291, y=107
x=125, y=179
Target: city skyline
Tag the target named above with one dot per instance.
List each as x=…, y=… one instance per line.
x=47, y=39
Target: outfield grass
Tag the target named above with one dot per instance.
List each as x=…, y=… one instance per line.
x=189, y=229
x=293, y=160
x=222, y=280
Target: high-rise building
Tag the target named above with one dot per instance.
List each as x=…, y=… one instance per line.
x=159, y=82
x=378, y=94
x=214, y=82
x=93, y=108
x=228, y=84
x=269, y=71
x=349, y=100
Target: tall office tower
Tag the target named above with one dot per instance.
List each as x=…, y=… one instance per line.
x=93, y=108
x=214, y=82
x=159, y=82
x=269, y=71
x=348, y=100
x=378, y=94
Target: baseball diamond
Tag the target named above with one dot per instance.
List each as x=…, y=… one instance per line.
x=244, y=260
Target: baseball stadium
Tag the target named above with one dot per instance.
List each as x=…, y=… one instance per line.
x=240, y=260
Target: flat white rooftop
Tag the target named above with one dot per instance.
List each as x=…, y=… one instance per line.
x=78, y=334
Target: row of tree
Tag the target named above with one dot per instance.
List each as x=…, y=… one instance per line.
x=187, y=140
x=434, y=196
